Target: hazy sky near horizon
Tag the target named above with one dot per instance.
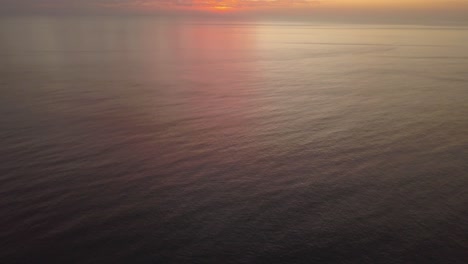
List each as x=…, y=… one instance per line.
x=452, y=9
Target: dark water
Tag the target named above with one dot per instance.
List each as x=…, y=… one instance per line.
x=129, y=140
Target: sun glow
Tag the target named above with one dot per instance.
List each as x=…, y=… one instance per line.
x=222, y=7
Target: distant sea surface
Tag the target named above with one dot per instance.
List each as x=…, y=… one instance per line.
x=146, y=140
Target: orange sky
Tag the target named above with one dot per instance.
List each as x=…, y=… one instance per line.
x=336, y=4
x=397, y=4
x=232, y=5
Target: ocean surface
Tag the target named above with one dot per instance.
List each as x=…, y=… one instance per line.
x=148, y=140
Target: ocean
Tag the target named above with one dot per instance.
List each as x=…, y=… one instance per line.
x=156, y=140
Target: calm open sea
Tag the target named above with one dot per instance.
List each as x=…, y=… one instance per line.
x=143, y=140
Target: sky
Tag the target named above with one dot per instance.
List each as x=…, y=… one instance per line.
x=396, y=9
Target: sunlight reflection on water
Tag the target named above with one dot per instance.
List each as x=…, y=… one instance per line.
x=147, y=140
